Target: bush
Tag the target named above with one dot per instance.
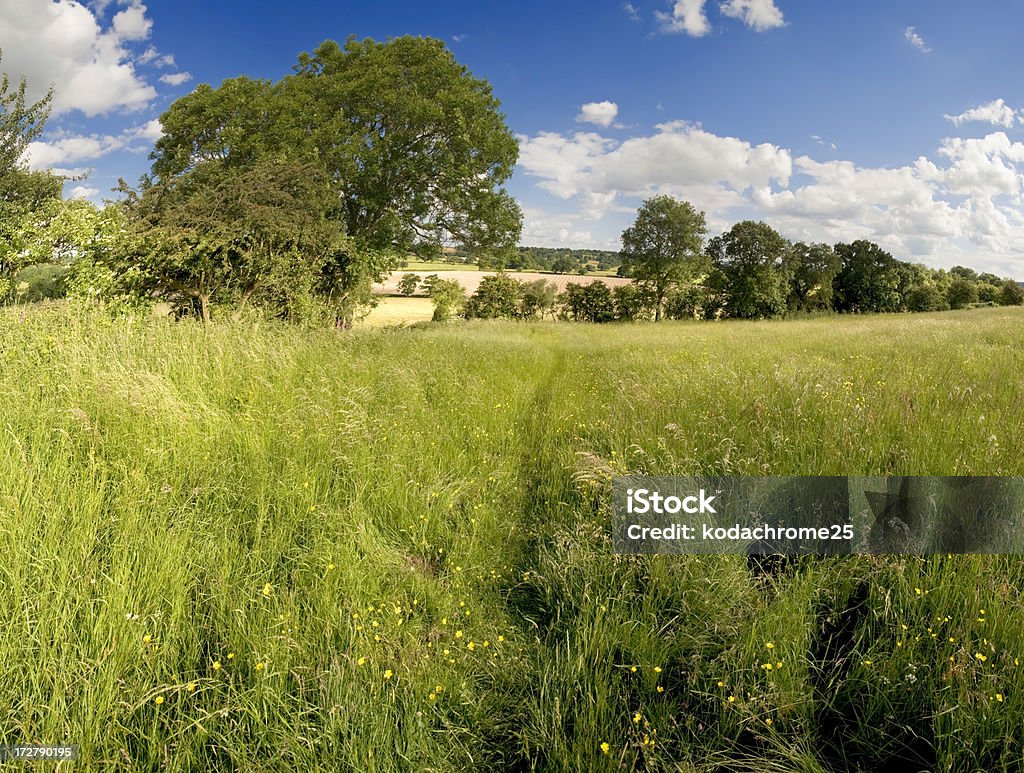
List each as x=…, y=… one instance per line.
x=497, y=296
x=43, y=281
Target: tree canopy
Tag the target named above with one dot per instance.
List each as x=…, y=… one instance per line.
x=663, y=246
x=406, y=150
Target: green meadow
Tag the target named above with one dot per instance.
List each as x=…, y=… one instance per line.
x=254, y=547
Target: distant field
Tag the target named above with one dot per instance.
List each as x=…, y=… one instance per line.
x=470, y=280
x=261, y=548
x=434, y=266
x=398, y=310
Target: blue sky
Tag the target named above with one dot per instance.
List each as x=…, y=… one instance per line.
x=900, y=122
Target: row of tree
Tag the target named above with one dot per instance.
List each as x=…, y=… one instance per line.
x=752, y=271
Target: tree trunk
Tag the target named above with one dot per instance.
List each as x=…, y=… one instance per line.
x=204, y=303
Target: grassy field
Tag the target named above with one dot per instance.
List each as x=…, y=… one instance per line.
x=269, y=549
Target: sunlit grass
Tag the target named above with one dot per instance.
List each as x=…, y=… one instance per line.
x=263, y=548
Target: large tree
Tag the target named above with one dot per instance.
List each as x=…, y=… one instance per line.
x=869, y=279
x=414, y=148
x=812, y=267
x=751, y=257
x=417, y=146
x=663, y=247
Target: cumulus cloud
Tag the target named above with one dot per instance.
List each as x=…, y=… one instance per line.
x=83, y=192
x=687, y=16
x=63, y=43
x=968, y=199
x=631, y=11
x=760, y=15
x=598, y=113
x=996, y=112
x=52, y=154
x=916, y=40
x=176, y=78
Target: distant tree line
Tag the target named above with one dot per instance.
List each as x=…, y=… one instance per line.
x=749, y=272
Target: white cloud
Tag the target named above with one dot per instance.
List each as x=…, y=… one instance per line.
x=916, y=40
x=82, y=192
x=996, y=112
x=687, y=16
x=131, y=23
x=759, y=15
x=631, y=11
x=598, y=113
x=70, y=149
x=154, y=57
x=966, y=203
x=61, y=42
x=176, y=78
x=458, y=38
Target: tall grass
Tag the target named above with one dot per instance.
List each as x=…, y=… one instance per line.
x=262, y=548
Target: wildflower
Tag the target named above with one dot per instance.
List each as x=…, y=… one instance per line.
x=147, y=639
x=980, y=657
x=159, y=700
x=231, y=655
x=657, y=669
x=770, y=645
x=768, y=721
x=388, y=674
x=260, y=666
x=471, y=646
x=999, y=697
x=605, y=747
x=268, y=589
x=632, y=669
x=637, y=717
x=732, y=699
x=648, y=742
x=432, y=696
x=216, y=665
x=501, y=638
x=330, y=567
x=660, y=688
x=458, y=634
x=721, y=684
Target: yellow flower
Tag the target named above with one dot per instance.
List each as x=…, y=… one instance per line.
x=657, y=669
x=147, y=639
x=432, y=696
x=637, y=717
x=159, y=700
x=216, y=665
x=501, y=638
x=768, y=721
x=721, y=684
x=458, y=634
x=330, y=567
x=191, y=686
x=732, y=699
x=660, y=688
x=999, y=697
x=770, y=645
x=268, y=589
x=605, y=747
x=260, y=666
x=231, y=655
x=361, y=662
x=388, y=674
x=980, y=657
x=471, y=646
x=633, y=669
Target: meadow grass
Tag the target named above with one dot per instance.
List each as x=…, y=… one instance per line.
x=262, y=548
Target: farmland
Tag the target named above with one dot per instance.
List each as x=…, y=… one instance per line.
x=263, y=547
